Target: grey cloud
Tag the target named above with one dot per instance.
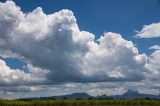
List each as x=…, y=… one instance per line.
x=22, y=88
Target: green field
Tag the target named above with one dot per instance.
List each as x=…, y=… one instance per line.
x=86, y=102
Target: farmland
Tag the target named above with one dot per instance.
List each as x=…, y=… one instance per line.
x=80, y=102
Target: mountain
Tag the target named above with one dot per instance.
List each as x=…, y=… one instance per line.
x=69, y=96
x=74, y=96
x=131, y=94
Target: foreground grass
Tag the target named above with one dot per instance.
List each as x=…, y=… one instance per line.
x=154, y=102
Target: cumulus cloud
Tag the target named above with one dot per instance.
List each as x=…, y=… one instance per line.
x=154, y=64
x=149, y=31
x=10, y=76
x=58, y=52
x=107, y=59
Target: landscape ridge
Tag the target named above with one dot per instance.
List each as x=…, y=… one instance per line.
x=130, y=94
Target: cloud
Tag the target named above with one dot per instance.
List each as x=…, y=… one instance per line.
x=58, y=52
x=118, y=88
x=15, y=89
x=107, y=91
x=115, y=58
x=149, y=31
x=9, y=77
x=156, y=47
x=154, y=64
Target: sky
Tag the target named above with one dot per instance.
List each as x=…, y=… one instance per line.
x=99, y=47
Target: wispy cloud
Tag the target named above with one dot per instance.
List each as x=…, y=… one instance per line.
x=149, y=31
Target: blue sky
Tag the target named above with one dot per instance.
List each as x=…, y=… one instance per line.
x=95, y=18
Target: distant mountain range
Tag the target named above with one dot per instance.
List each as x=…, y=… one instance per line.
x=130, y=94
x=74, y=96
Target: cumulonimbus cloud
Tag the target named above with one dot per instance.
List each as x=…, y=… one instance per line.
x=57, y=50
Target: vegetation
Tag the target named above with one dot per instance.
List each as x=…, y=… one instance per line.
x=78, y=102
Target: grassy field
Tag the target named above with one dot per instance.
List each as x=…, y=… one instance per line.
x=149, y=102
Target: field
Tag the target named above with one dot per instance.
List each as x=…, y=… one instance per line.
x=86, y=102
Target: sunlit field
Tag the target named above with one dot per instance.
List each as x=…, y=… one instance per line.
x=148, y=102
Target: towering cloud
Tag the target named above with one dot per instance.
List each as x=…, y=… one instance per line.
x=58, y=52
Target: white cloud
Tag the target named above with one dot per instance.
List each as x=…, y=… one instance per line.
x=149, y=31
x=156, y=47
x=9, y=76
x=154, y=65
x=154, y=62
x=114, y=58
x=18, y=77
x=107, y=91
x=62, y=52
